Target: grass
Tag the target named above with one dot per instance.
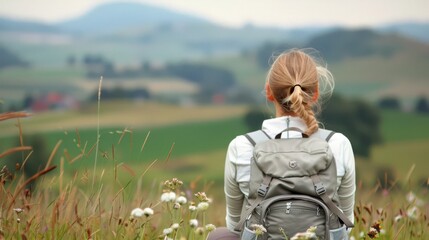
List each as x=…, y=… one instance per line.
x=134, y=163
x=64, y=206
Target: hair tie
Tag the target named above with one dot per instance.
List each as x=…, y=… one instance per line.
x=293, y=88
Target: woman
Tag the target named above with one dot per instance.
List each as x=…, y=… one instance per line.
x=293, y=85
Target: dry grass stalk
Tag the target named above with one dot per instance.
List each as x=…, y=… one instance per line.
x=12, y=115
x=31, y=179
x=14, y=150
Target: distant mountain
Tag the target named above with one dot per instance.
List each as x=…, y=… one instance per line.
x=9, y=25
x=340, y=44
x=418, y=31
x=113, y=17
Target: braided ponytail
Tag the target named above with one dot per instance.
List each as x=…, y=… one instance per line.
x=294, y=81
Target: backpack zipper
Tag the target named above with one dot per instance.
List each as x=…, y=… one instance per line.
x=288, y=206
x=287, y=122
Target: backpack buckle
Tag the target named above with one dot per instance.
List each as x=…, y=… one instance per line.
x=320, y=189
x=262, y=191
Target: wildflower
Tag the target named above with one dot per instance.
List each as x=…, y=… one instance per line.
x=148, y=212
x=373, y=233
x=376, y=226
x=176, y=206
x=168, y=197
x=412, y=212
x=210, y=227
x=173, y=184
x=193, y=223
x=199, y=231
x=411, y=197
x=304, y=236
x=309, y=234
x=361, y=235
x=18, y=210
x=202, y=206
x=259, y=229
x=175, y=226
x=192, y=208
x=352, y=238
x=137, y=212
x=202, y=196
x=181, y=200
x=398, y=218
x=382, y=232
x=167, y=231
x=18, y=220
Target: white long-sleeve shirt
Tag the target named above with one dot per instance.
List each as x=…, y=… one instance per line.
x=237, y=168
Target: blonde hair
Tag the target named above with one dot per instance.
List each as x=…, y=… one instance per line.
x=298, y=83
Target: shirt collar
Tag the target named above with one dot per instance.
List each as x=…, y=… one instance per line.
x=274, y=126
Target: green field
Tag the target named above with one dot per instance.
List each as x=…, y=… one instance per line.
x=129, y=174
x=404, y=137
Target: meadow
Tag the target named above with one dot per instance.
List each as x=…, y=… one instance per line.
x=78, y=200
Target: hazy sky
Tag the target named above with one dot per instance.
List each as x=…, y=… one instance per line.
x=281, y=13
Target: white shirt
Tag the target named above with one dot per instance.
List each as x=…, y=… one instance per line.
x=237, y=168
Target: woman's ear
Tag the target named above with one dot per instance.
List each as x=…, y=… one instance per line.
x=316, y=95
x=269, y=93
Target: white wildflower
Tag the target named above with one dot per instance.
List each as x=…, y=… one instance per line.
x=193, y=223
x=352, y=238
x=181, y=200
x=167, y=231
x=361, y=235
x=202, y=206
x=18, y=210
x=175, y=226
x=199, y=231
x=210, y=227
x=137, y=212
x=148, y=212
x=411, y=197
x=398, y=218
x=413, y=212
x=259, y=229
x=176, y=206
x=304, y=235
x=382, y=232
x=192, y=208
x=168, y=197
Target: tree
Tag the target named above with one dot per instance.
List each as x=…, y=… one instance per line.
x=422, y=105
x=356, y=119
x=254, y=118
x=37, y=160
x=390, y=102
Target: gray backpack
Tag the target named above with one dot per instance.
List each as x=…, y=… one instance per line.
x=293, y=186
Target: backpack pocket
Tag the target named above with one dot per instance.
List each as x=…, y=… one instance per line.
x=294, y=216
x=289, y=214
x=339, y=233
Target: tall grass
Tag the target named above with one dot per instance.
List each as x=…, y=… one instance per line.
x=64, y=207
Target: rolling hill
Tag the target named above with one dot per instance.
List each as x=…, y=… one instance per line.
x=114, y=17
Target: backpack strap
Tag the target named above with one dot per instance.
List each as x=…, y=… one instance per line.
x=257, y=137
x=262, y=191
x=325, y=134
x=320, y=190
